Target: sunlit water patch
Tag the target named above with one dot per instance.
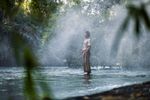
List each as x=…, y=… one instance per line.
x=68, y=82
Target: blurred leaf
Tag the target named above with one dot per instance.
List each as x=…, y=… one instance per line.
x=26, y=57
x=119, y=36
x=145, y=17
x=16, y=42
x=29, y=86
x=30, y=60
x=137, y=27
x=138, y=14
x=32, y=72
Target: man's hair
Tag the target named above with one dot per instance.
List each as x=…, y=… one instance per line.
x=87, y=33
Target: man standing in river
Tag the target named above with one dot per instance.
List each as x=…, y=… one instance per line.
x=86, y=53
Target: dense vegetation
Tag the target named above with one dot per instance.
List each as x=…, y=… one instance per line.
x=34, y=21
x=27, y=19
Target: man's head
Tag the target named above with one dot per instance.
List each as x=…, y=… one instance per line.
x=87, y=34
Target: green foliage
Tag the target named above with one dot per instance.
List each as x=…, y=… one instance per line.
x=42, y=10
x=31, y=17
x=31, y=72
x=77, y=1
x=21, y=19
x=48, y=31
x=30, y=63
x=10, y=8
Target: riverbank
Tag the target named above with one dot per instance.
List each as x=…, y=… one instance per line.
x=132, y=92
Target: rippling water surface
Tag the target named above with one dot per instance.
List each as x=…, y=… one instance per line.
x=67, y=82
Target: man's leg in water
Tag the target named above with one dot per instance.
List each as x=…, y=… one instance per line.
x=84, y=62
x=88, y=63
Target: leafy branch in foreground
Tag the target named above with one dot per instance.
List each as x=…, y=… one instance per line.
x=16, y=23
x=25, y=55
x=138, y=15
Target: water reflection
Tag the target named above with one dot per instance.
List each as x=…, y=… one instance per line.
x=87, y=78
x=67, y=82
x=11, y=90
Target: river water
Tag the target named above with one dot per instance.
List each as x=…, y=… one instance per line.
x=68, y=82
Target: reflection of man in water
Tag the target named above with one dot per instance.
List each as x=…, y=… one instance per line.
x=86, y=53
x=87, y=78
